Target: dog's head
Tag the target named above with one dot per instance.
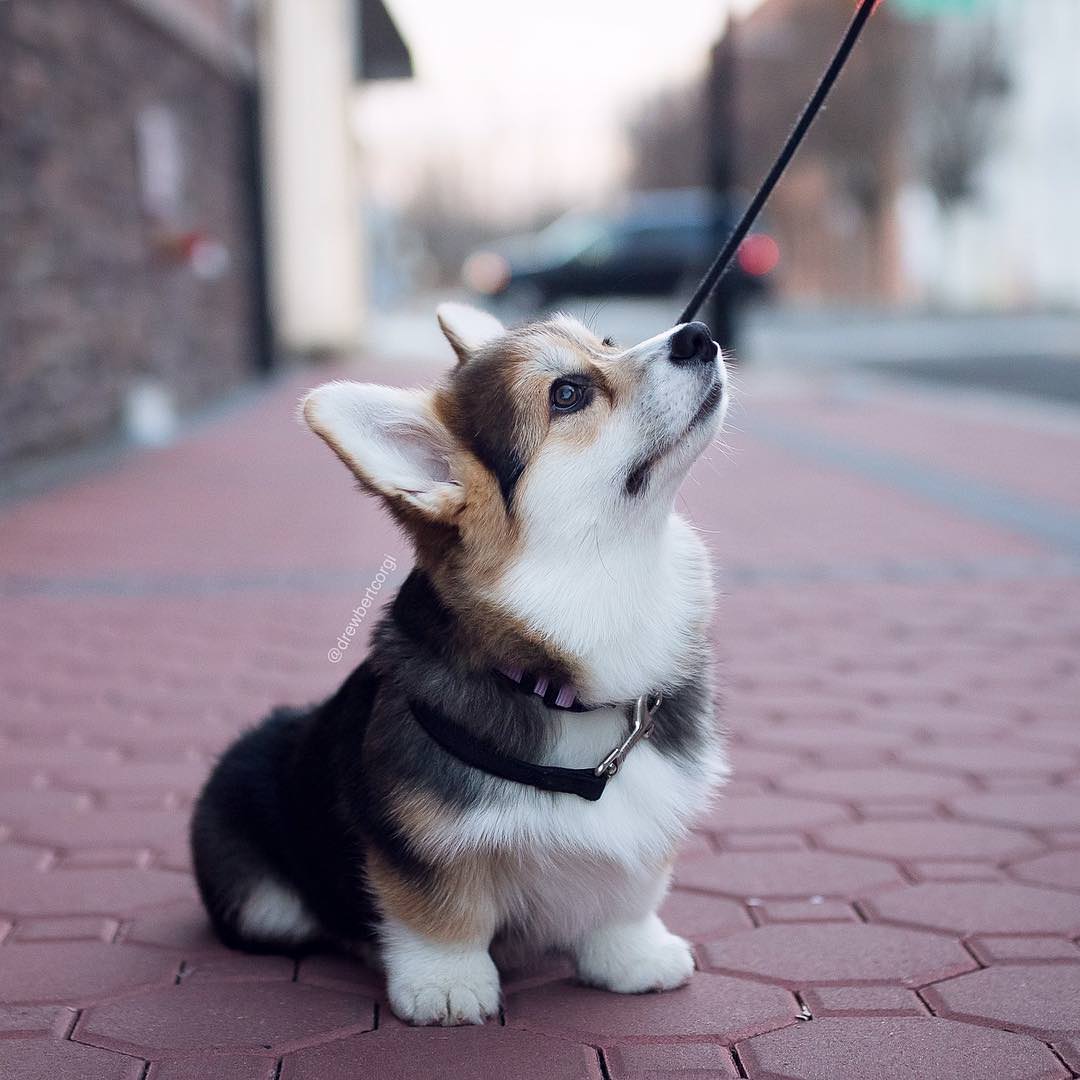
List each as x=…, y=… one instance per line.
x=543, y=437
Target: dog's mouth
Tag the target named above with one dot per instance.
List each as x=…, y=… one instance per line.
x=713, y=396
x=639, y=475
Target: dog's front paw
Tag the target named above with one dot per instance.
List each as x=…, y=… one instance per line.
x=635, y=958
x=463, y=992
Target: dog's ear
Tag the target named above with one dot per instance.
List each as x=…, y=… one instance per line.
x=392, y=440
x=467, y=328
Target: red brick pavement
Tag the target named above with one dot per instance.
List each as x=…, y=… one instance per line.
x=891, y=885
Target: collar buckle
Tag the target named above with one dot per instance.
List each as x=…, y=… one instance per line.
x=641, y=727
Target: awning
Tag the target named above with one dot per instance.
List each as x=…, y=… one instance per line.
x=381, y=52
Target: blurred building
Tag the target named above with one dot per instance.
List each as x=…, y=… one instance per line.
x=127, y=226
x=833, y=214
x=1010, y=236
x=940, y=172
x=139, y=141
x=313, y=54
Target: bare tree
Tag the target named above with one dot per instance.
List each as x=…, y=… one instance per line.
x=963, y=82
x=668, y=140
x=781, y=55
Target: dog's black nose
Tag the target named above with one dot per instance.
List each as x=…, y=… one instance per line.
x=693, y=344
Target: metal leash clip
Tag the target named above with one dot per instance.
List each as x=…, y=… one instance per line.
x=640, y=728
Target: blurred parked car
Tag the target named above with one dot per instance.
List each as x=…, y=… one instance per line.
x=655, y=243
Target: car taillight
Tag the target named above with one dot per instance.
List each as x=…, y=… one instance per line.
x=758, y=254
x=486, y=272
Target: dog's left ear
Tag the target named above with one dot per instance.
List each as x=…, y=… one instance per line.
x=467, y=328
x=392, y=440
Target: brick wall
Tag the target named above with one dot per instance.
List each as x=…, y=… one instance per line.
x=92, y=297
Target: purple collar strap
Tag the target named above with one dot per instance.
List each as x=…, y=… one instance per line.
x=554, y=694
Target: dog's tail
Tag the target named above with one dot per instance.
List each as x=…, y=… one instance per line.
x=238, y=843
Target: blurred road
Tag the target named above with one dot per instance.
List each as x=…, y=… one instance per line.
x=1033, y=356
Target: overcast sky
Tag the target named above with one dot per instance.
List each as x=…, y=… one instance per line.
x=527, y=99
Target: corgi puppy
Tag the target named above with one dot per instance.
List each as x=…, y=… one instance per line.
x=518, y=758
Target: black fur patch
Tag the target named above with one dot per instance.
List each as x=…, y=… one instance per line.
x=486, y=421
x=638, y=476
x=305, y=796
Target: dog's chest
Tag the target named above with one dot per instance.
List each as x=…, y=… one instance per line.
x=573, y=864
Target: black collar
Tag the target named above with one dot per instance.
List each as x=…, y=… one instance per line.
x=586, y=783
x=420, y=614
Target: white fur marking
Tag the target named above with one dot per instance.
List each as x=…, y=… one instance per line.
x=466, y=327
x=273, y=912
x=632, y=958
x=432, y=982
x=389, y=437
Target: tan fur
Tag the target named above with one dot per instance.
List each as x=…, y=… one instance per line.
x=418, y=812
x=455, y=903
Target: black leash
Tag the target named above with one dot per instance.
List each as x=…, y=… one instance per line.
x=802, y=125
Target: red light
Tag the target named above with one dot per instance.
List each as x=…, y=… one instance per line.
x=758, y=254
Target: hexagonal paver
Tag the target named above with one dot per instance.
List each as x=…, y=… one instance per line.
x=1060, y=869
x=243, y=967
x=979, y=907
x=879, y=783
x=702, y=917
x=929, y=840
x=399, y=1053
x=1069, y=1049
x=90, y=892
x=750, y=761
x=886, y=1048
x=180, y=776
x=17, y=807
x=1011, y=949
x=1041, y=999
x=180, y=925
x=215, y=1067
x=957, y=722
x=813, y=909
x=225, y=1016
x=74, y=973
x=35, y=1020
x=862, y=1001
x=838, y=954
x=66, y=928
x=38, y=1059
x=1036, y=809
x=710, y=1006
x=105, y=828
x=658, y=1061
x=16, y=858
x=823, y=737
x=344, y=973
x=786, y=874
x=766, y=812
x=989, y=759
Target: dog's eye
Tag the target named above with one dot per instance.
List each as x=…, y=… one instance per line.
x=567, y=396
x=609, y=342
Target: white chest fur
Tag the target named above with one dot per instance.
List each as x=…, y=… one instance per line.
x=634, y=622
x=579, y=863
